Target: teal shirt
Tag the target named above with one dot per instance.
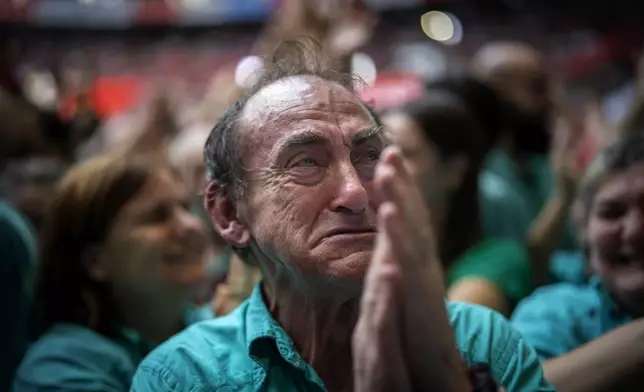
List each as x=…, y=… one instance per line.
x=504, y=263
x=568, y=266
x=559, y=318
x=17, y=263
x=73, y=358
x=248, y=351
x=504, y=214
x=510, y=201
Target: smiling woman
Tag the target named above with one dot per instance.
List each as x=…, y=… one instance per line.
x=121, y=262
x=597, y=321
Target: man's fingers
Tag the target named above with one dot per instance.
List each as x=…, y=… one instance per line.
x=392, y=156
x=393, y=187
x=396, y=184
x=378, y=361
x=408, y=221
x=396, y=230
x=379, y=275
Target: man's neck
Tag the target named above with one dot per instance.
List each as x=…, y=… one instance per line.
x=321, y=330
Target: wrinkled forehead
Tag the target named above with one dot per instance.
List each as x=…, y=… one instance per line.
x=303, y=98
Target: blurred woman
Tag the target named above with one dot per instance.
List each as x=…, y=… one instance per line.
x=590, y=334
x=444, y=149
x=121, y=262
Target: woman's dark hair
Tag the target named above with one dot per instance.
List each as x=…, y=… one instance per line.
x=484, y=103
x=85, y=205
x=448, y=125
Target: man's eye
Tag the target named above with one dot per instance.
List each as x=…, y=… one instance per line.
x=306, y=162
x=369, y=157
x=373, y=155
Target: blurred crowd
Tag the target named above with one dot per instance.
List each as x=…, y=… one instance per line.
x=117, y=233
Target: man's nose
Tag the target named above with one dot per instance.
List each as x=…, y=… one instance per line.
x=351, y=195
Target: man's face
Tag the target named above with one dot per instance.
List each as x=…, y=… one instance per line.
x=310, y=151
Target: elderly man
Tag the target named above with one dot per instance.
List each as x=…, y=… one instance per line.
x=301, y=183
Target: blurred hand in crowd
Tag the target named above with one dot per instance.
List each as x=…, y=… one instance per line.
x=159, y=128
x=340, y=26
x=353, y=28
x=563, y=155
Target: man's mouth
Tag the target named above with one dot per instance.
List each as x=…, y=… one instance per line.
x=348, y=232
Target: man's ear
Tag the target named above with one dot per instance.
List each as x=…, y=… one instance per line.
x=224, y=215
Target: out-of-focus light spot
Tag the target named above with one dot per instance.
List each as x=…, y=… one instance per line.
x=442, y=27
x=248, y=71
x=363, y=66
x=437, y=26
x=457, y=35
x=41, y=89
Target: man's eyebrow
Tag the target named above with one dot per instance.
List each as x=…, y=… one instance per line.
x=300, y=139
x=308, y=137
x=366, y=134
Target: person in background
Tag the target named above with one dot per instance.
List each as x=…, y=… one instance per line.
x=590, y=335
x=490, y=111
x=444, y=148
x=28, y=184
x=33, y=126
x=20, y=131
x=231, y=279
x=17, y=264
x=538, y=173
x=122, y=260
x=302, y=184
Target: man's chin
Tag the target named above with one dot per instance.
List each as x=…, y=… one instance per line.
x=352, y=267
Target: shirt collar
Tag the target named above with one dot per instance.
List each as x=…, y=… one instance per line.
x=265, y=338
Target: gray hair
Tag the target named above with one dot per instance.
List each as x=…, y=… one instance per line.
x=222, y=153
